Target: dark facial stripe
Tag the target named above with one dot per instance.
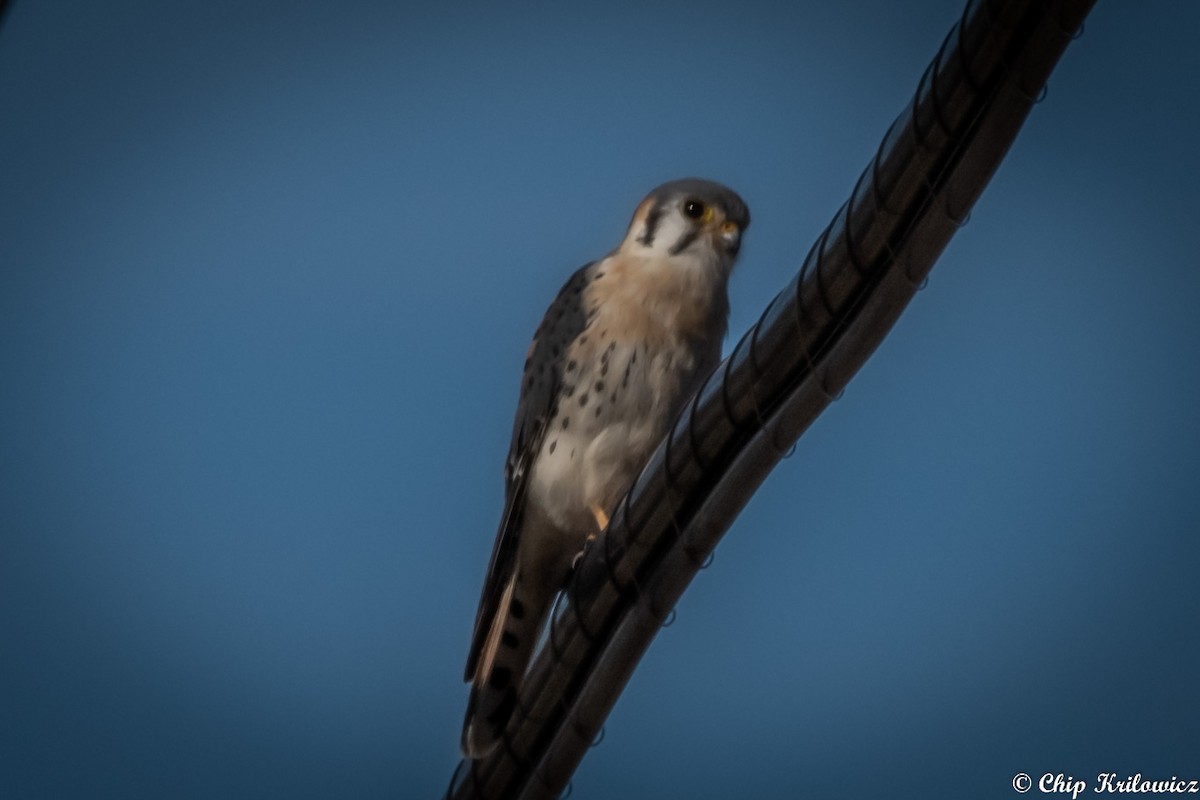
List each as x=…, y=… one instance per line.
x=684, y=242
x=652, y=217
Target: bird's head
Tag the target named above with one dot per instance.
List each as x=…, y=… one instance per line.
x=692, y=218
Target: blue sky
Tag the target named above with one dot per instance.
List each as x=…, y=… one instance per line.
x=269, y=272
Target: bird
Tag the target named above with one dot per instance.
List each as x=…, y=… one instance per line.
x=626, y=341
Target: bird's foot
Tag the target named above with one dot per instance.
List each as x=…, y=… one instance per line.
x=601, y=519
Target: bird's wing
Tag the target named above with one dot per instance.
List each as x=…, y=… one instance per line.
x=540, y=383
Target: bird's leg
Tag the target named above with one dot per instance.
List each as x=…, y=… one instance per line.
x=601, y=525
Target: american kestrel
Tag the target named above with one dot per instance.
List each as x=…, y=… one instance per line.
x=624, y=344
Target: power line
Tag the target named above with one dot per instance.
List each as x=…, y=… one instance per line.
x=931, y=166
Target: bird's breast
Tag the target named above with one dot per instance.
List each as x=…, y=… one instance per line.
x=625, y=377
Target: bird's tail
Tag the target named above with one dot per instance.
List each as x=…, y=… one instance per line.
x=501, y=665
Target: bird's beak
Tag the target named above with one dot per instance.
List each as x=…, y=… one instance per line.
x=729, y=235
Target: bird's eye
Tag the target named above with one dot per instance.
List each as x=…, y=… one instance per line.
x=694, y=209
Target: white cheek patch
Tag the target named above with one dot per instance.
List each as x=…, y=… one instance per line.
x=671, y=228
